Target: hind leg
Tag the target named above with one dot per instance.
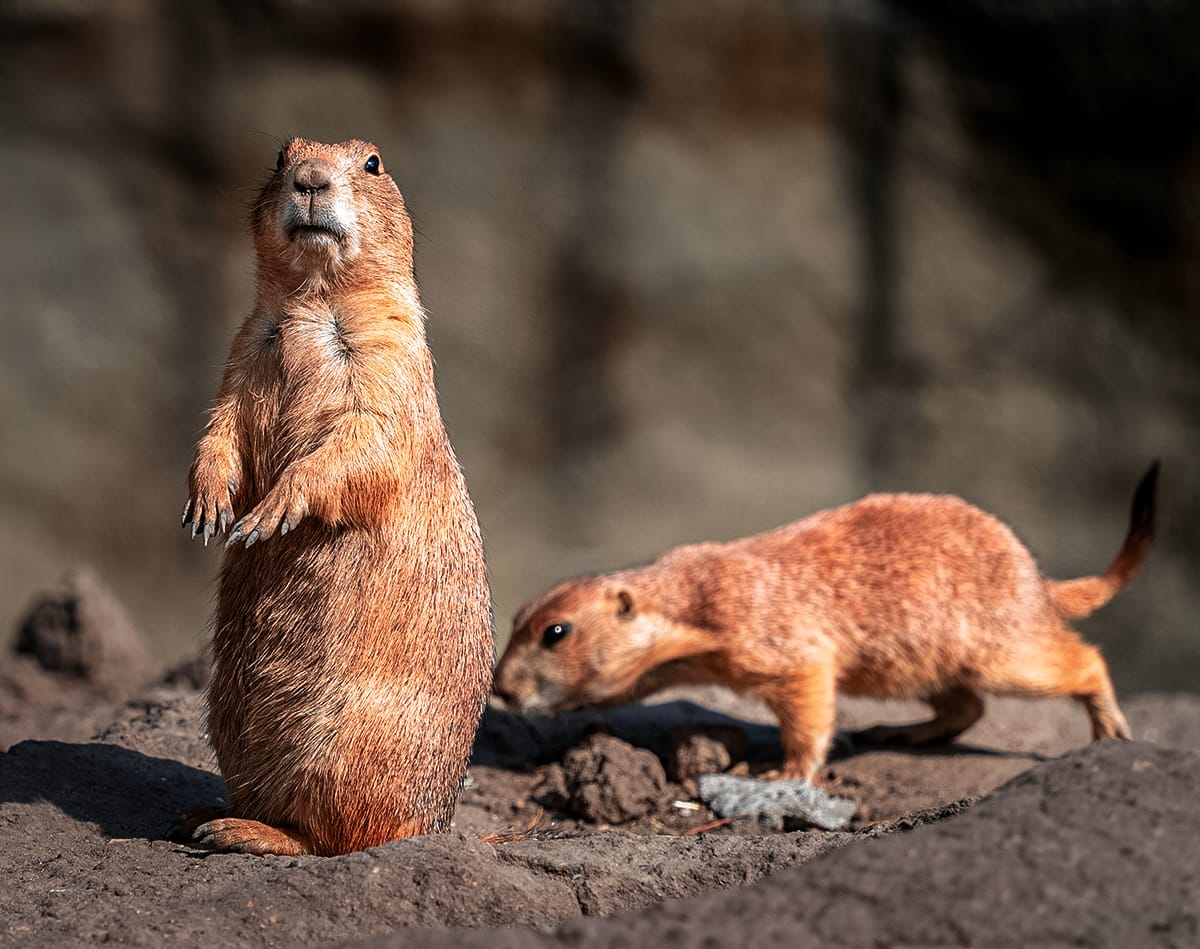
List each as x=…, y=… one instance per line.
x=1066, y=666
x=186, y=823
x=251, y=836
x=322, y=820
x=1094, y=690
x=954, y=711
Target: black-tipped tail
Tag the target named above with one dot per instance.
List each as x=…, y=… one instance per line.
x=1077, y=598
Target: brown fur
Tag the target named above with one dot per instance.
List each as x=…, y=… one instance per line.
x=352, y=638
x=911, y=596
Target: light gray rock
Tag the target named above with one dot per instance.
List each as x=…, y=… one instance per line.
x=780, y=805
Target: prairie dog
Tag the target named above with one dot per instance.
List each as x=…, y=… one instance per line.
x=893, y=596
x=352, y=641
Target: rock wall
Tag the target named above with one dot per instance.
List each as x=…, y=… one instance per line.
x=693, y=270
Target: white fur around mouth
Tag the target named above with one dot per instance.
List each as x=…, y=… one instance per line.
x=536, y=705
x=313, y=233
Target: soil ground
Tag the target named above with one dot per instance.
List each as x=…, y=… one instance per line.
x=1019, y=834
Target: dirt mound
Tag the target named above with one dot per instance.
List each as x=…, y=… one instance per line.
x=1084, y=850
x=81, y=854
x=82, y=630
x=76, y=658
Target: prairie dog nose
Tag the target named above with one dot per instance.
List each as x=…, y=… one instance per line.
x=312, y=175
x=505, y=696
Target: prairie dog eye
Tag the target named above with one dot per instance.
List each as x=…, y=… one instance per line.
x=554, y=633
x=371, y=165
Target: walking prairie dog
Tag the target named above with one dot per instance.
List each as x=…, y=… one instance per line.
x=352, y=643
x=894, y=596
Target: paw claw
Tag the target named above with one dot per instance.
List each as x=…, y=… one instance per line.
x=206, y=833
x=224, y=835
x=252, y=539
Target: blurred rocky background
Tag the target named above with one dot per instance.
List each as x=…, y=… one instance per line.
x=693, y=269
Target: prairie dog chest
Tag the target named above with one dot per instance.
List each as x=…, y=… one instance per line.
x=304, y=350
x=317, y=338
x=300, y=375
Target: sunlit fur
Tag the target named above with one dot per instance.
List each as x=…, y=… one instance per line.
x=352, y=642
x=907, y=596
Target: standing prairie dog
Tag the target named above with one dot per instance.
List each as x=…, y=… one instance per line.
x=894, y=596
x=352, y=644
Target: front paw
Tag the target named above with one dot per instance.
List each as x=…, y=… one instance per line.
x=281, y=510
x=209, y=509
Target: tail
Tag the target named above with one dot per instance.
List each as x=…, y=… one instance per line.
x=1077, y=598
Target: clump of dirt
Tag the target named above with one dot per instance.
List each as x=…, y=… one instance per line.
x=705, y=749
x=606, y=781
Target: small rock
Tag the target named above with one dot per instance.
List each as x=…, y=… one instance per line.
x=776, y=805
x=704, y=749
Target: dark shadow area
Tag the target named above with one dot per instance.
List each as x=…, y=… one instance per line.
x=522, y=743
x=123, y=792
x=851, y=743
x=1085, y=125
x=1079, y=135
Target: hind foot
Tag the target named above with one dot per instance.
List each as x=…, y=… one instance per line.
x=251, y=836
x=955, y=709
x=1106, y=717
x=907, y=736
x=186, y=823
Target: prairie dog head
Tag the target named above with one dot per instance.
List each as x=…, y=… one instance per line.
x=585, y=642
x=330, y=208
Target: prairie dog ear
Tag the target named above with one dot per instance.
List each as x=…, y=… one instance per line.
x=625, y=604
